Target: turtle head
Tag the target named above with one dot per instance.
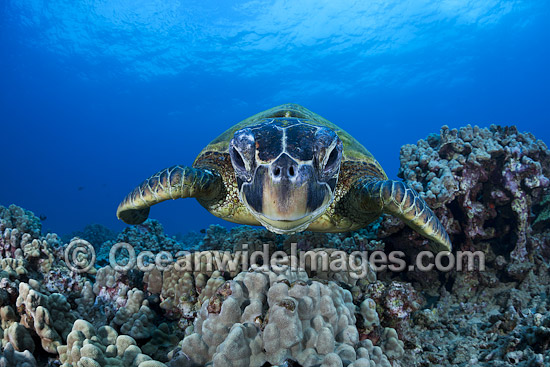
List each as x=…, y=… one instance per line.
x=286, y=171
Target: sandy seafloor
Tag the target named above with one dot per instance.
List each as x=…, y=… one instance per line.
x=489, y=187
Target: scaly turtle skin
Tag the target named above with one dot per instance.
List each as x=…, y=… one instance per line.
x=288, y=169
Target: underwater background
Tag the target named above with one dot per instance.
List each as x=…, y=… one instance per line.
x=95, y=96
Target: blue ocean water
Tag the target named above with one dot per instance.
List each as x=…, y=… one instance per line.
x=95, y=96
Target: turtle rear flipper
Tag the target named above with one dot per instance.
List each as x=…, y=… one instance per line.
x=176, y=182
x=398, y=199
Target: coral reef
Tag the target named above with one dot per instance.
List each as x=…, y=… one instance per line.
x=489, y=186
x=261, y=317
x=96, y=234
x=18, y=218
x=483, y=183
x=148, y=236
x=49, y=316
x=135, y=318
x=104, y=348
x=12, y=358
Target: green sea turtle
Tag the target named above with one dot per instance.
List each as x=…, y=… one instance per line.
x=288, y=169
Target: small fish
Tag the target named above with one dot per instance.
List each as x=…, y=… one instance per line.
x=80, y=188
x=42, y=217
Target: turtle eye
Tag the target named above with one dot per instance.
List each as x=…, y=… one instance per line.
x=237, y=159
x=331, y=159
x=240, y=161
x=332, y=162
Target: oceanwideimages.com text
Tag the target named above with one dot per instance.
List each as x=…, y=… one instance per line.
x=80, y=257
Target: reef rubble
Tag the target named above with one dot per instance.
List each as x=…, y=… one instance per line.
x=489, y=186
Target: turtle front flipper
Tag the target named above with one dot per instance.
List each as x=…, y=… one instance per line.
x=176, y=182
x=398, y=199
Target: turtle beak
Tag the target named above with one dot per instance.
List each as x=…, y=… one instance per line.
x=286, y=196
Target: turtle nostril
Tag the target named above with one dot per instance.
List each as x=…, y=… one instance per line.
x=291, y=171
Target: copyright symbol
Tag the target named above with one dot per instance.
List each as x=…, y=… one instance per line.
x=80, y=256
